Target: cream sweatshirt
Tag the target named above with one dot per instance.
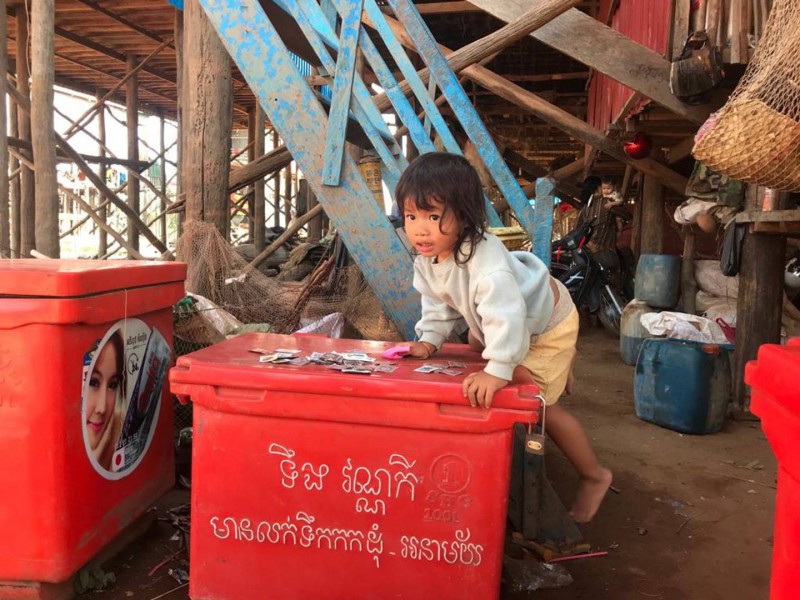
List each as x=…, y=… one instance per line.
x=504, y=297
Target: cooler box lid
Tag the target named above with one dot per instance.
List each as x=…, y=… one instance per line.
x=777, y=373
x=53, y=278
x=232, y=364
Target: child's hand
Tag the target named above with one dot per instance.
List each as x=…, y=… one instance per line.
x=421, y=349
x=480, y=387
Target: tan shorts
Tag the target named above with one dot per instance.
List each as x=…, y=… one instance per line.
x=550, y=357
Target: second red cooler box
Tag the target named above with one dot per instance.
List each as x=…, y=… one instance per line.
x=314, y=483
x=85, y=417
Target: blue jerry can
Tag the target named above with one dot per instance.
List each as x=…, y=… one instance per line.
x=681, y=385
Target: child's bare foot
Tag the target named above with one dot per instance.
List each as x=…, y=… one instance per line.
x=591, y=492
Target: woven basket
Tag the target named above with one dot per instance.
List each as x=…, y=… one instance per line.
x=514, y=238
x=752, y=142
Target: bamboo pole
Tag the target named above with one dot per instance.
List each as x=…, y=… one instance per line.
x=164, y=201
x=27, y=207
x=73, y=128
x=42, y=137
x=5, y=206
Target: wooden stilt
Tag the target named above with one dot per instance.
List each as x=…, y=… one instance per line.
x=208, y=120
x=27, y=207
x=315, y=225
x=287, y=193
x=163, y=165
x=179, y=62
x=259, y=200
x=251, y=156
x=102, y=210
x=132, y=112
x=276, y=186
x=759, y=307
x=652, y=241
x=15, y=179
x=5, y=206
x=43, y=135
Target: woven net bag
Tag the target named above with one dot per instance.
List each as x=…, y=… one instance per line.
x=755, y=137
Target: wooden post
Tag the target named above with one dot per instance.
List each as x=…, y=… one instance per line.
x=276, y=185
x=688, y=282
x=27, y=207
x=15, y=168
x=315, y=225
x=287, y=194
x=179, y=62
x=5, y=206
x=208, y=119
x=132, y=113
x=103, y=211
x=43, y=135
x=652, y=240
x=759, y=307
x=259, y=200
x=163, y=153
x=251, y=156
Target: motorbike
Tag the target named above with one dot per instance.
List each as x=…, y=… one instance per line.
x=593, y=279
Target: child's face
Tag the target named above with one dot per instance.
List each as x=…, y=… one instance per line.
x=431, y=233
x=607, y=189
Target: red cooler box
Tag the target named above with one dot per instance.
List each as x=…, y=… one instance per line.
x=314, y=483
x=775, y=379
x=85, y=421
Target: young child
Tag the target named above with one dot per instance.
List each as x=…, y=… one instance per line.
x=519, y=317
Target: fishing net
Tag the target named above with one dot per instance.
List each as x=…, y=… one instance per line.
x=755, y=137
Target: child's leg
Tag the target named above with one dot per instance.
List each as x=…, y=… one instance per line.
x=568, y=434
x=549, y=365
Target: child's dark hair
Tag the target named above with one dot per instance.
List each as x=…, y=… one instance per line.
x=609, y=180
x=451, y=180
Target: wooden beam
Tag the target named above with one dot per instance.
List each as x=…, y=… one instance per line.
x=138, y=165
x=291, y=229
x=442, y=8
x=261, y=167
x=16, y=199
x=180, y=69
x=544, y=110
x=543, y=77
x=207, y=120
x=652, y=240
x=97, y=7
x=681, y=150
x=587, y=40
x=679, y=31
x=759, y=307
x=5, y=206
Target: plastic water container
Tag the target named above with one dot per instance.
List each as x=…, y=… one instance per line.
x=680, y=385
x=658, y=280
x=632, y=333
x=776, y=399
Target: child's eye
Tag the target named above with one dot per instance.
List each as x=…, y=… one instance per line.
x=409, y=217
x=434, y=218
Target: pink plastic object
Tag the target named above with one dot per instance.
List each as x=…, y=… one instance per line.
x=397, y=352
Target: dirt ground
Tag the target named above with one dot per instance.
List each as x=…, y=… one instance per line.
x=683, y=526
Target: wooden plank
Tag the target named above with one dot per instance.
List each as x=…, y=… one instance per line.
x=207, y=120
x=26, y=183
x=597, y=46
x=533, y=220
x=371, y=239
x=769, y=216
x=342, y=91
x=5, y=199
x=261, y=167
x=652, y=240
x=551, y=114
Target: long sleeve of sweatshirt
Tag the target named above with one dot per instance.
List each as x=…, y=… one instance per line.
x=438, y=319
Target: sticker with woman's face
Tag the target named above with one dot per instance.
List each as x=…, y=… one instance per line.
x=123, y=375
